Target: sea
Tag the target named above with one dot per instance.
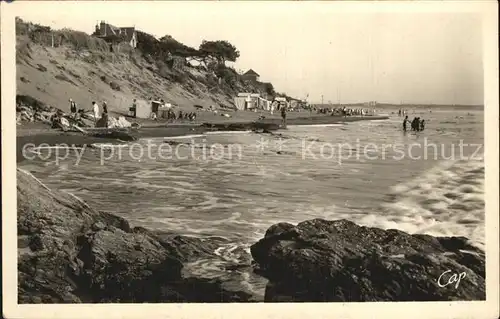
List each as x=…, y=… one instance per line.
x=234, y=185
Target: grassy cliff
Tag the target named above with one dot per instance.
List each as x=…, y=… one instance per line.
x=55, y=65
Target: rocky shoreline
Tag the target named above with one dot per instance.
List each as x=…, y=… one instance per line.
x=321, y=260
x=68, y=252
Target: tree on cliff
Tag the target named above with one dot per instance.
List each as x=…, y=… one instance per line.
x=168, y=43
x=164, y=47
x=229, y=75
x=269, y=89
x=220, y=50
x=148, y=44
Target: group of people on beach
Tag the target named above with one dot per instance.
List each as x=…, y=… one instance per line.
x=76, y=113
x=344, y=111
x=191, y=116
x=402, y=112
x=101, y=114
x=416, y=124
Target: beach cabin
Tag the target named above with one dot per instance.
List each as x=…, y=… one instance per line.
x=160, y=108
x=145, y=108
x=251, y=76
x=155, y=106
x=280, y=102
x=163, y=110
x=294, y=104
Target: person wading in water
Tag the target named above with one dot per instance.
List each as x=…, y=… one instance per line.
x=404, y=123
x=283, y=116
x=415, y=124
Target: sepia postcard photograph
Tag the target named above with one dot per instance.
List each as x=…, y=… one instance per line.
x=265, y=159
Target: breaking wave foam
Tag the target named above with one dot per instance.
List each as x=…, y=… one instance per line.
x=447, y=200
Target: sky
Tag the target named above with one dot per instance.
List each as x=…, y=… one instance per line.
x=327, y=51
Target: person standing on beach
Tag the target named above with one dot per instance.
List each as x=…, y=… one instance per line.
x=72, y=108
x=96, y=112
x=283, y=116
x=134, y=108
x=104, y=108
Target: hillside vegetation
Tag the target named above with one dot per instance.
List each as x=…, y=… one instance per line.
x=55, y=65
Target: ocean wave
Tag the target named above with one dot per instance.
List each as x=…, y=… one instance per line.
x=446, y=200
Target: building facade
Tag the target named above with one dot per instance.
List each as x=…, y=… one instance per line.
x=111, y=33
x=251, y=75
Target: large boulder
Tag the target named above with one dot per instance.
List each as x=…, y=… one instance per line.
x=321, y=260
x=70, y=253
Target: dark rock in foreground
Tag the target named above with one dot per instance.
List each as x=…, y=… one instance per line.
x=70, y=253
x=320, y=260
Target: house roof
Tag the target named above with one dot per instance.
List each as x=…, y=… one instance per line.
x=126, y=32
x=251, y=72
x=111, y=29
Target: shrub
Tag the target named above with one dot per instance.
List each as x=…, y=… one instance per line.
x=41, y=68
x=63, y=77
x=163, y=70
x=73, y=74
x=23, y=50
x=179, y=77
x=103, y=78
x=229, y=75
x=80, y=40
x=30, y=101
x=89, y=59
x=114, y=86
x=149, y=59
x=169, y=44
x=163, y=48
x=21, y=27
x=46, y=36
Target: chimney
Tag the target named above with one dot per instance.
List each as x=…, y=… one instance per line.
x=103, y=28
x=97, y=29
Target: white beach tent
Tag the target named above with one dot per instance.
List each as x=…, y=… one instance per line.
x=144, y=108
x=246, y=100
x=240, y=102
